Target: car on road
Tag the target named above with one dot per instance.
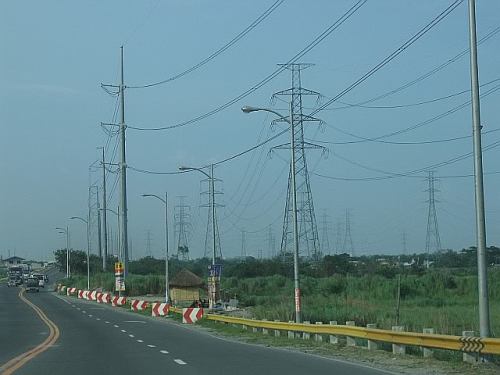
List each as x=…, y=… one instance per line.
x=32, y=285
x=41, y=279
x=11, y=282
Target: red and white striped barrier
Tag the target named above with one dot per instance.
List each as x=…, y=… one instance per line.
x=80, y=293
x=191, y=315
x=92, y=296
x=138, y=305
x=160, y=309
x=103, y=297
x=118, y=301
x=70, y=291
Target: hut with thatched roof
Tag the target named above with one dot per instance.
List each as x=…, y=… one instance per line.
x=185, y=287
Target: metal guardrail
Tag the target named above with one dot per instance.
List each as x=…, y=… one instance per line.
x=449, y=342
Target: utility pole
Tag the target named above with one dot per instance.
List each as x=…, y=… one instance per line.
x=484, y=309
x=99, y=235
x=104, y=213
x=123, y=169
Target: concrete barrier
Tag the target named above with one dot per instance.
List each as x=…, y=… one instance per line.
x=372, y=345
x=333, y=338
x=306, y=335
x=428, y=353
x=317, y=336
x=277, y=332
x=398, y=348
x=351, y=341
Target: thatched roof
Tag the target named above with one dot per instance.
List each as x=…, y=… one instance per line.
x=186, y=278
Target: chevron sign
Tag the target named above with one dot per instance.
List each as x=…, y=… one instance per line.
x=138, y=305
x=191, y=315
x=159, y=309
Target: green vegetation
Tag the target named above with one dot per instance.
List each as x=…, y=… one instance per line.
x=338, y=287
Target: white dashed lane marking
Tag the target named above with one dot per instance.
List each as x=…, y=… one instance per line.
x=140, y=341
x=152, y=346
x=123, y=331
x=180, y=362
x=163, y=351
x=97, y=318
x=106, y=322
x=116, y=326
x=132, y=336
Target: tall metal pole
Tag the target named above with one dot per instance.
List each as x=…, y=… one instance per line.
x=298, y=312
x=123, y=168
x=484, y=311
x=167, y=289
x=212, y=193
x=104, y=213
x=68, y=270
x=88, y=252
x=99, y=233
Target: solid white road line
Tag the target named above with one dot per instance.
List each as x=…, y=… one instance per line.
x=134, y=321
x=180, y=362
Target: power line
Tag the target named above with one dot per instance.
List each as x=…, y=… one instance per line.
x=233, y=41
x=393, y=55
x=267, y=79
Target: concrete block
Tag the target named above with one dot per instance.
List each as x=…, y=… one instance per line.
x=351, y=341
x=333, y=339
x=372, y=345
x=265, y=331
x=291, y=334
x=428, y=353
x=398, y=348
x=317, y=336
x=470, y=357
x=277, y=332
x=306, y=335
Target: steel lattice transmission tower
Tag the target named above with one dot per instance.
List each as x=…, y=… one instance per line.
x=348, y=246
x=209, y=234
x=432, y=241
x=325, y=239
x=307, y=228
x=182, y=227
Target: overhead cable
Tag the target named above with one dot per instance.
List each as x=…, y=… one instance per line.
x=249, y=28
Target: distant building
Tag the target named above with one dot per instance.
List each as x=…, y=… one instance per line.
x=13, y=261
x=185, y=287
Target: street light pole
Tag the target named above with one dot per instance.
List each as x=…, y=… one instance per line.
x=165, y=201
x=296, y=278
x=212, y=198
x=482, y=269
x=88, y=247
x=66, y=232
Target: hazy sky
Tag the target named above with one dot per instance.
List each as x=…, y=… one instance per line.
x=56, y=54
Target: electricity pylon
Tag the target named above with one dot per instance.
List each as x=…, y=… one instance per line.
x=306, y=219
x=433, y=240
x=182, y=227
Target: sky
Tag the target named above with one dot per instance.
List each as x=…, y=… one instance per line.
x=55, y=55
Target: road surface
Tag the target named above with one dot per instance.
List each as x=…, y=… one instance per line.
x=96, y=339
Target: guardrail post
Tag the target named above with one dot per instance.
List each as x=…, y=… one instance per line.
x=317, y=336
x=469, y=357
x=277, y=332
x=254, y=329
x=428, y=353
x=264, y=330
x=372, y=345
x=244, y=327
x=306, y=335
x=291, y=334
x=333, y=339
x=351, y=341
x=398, y=348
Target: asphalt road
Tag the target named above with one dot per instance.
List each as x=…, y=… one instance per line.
x=95, y=339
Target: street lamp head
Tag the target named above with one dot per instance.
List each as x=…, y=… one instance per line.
x=248, y=109
x=73, y=217
x=183, y=168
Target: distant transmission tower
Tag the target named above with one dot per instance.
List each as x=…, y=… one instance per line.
x=209, y=234
x=182, y=226
x=271, y=242
x=338, y=237
x=308, y=231
x=348, y=246
x=325, y=241
x=432, y=241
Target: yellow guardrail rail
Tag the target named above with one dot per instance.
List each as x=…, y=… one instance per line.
x=449, y=342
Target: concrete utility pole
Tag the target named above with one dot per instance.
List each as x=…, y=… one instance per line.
x=104, y=213
x=123, y=169
x=484, y=309
x=66, y=232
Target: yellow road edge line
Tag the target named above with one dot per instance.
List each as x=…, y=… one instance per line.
x=19, y=361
